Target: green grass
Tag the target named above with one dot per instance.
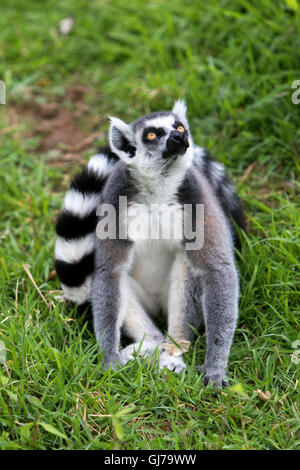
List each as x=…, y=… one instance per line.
x=234, y=62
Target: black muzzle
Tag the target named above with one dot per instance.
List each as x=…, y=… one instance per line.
x=177, y=144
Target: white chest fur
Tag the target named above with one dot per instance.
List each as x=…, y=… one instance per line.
x=151, y=267
x=155, y=222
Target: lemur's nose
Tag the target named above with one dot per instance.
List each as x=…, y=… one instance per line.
x=177, y=144
x=177, y=136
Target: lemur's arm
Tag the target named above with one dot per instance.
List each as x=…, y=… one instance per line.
x=214, y=265
x=109, y=297
x=220, y=307
x=109, y=288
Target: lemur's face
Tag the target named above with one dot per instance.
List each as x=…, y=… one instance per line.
x=158, y=139
x=161, y=136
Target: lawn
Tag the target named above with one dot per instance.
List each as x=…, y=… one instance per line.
x=234, y=63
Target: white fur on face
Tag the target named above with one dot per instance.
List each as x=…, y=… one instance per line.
x=180, y=109
x=166, y=122
x=149, y=159
x=119, y=131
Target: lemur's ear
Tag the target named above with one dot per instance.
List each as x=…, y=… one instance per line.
x=180, y=109
x=121, y=139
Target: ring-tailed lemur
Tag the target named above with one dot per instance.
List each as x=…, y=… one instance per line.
x=128, y=280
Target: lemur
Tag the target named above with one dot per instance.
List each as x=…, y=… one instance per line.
x=127, y=280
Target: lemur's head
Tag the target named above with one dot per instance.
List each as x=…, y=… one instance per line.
x=157, y=140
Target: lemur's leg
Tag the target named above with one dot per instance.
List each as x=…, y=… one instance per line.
x=115, y=305
x=184, y=298
x=215, y=264
x=183, y=309
x=139, y=326
x=220, y=306
x=214, y=291
x=109, y=296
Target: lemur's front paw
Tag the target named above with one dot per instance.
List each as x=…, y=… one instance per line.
x=146, y=348
x=112, y=361
x=175, y=363
x=214, y=376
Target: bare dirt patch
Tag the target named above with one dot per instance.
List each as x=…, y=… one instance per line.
x=57, y=124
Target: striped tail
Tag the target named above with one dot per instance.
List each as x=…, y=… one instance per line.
x=224, y=190
x=75, y=227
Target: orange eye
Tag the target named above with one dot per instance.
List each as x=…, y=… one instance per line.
x=180, y=128
x=151, y=135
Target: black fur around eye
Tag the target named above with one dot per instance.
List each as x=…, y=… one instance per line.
x=159, y=132
x=178, y=124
